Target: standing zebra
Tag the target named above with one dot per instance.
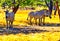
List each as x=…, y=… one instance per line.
x=39, y=15
x=9, y=18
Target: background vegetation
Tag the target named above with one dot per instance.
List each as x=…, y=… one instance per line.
x=25, y=2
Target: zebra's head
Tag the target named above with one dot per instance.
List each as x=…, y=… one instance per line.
x=47, y=13
x=6, y=11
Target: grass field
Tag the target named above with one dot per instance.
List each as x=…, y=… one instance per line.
x=44, y=36
x=20, y=19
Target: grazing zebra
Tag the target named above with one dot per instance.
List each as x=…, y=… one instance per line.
x=9, y=18
x=39, y=15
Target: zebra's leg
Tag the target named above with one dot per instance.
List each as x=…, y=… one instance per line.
x=36, y=21
x=27, y=18
x=11, y=25
x=44, y=20
x=39, y=22
x=7, y=23
x=30, y=20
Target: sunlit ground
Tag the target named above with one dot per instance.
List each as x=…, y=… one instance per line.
x=20, y=19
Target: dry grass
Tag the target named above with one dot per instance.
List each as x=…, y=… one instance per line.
x=44, y=36
x=20, y=19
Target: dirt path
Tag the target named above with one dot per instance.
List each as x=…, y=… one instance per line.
x=48, y=28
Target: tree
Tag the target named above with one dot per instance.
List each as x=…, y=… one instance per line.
x=50, y=6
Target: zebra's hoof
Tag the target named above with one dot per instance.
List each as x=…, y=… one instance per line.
x=50, y=17
x=7, y=28
x=43, y=23
x=39, y=24
x=36, y=23
x=11, y=27
x=30, y=23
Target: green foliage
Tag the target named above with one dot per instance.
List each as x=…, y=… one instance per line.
x=26, y=2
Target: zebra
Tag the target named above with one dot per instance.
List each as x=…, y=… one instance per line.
x=39, y=15
x=9, y=18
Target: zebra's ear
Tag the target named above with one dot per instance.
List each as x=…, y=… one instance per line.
x=45, y=11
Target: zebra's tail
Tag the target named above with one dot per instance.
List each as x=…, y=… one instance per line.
x=27, y=18
x=59, y=17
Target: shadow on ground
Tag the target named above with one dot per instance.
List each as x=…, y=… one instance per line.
x=25, y=30
x=20, y=30
x=51, y=24
x=48, y=24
